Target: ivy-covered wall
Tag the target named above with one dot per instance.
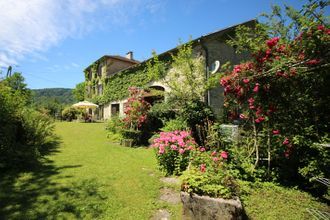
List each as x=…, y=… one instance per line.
x=117, y=86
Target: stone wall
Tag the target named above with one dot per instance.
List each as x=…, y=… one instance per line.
x=197, y=207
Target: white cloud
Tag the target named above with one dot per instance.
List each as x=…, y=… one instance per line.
x=33, y=26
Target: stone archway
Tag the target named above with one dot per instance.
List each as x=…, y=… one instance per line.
x=154, y=94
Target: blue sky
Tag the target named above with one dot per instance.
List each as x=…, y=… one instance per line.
x=52, y=41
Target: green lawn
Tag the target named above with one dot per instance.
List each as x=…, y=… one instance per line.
x=85, y=178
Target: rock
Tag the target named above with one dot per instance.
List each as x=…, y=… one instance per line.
x=197, y=207
x=161, y=215
x=169, y=195
x=170, y=180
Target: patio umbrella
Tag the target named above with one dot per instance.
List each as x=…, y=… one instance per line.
x=85, y=105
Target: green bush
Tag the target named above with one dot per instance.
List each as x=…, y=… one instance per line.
x=196, y=113
x=134, y=135
x=175, y=125
x=209, y=175
x=25, y=134
x=163, y=111
x=115, y=128
x=115, y=125
x=70, y=113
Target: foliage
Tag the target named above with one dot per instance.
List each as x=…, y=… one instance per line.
x=155, y=69
x=61, y=95
x=70, y=113
x=208, y=175
x=18, y=86
x=173, y=151
x=269, y=201
x=118, y=85
x=281, y=95
x=186, y=77
x=51, y=101
x=196, y=113
x=25, y=135
x=164, y=111
x=79, y=92
x=175, y=125
x=115, y=126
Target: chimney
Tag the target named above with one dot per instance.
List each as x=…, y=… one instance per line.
x=129, y=55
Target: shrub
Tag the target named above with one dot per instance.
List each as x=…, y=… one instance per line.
x=195, y=113
x=173, y=151
x=115, y=128
x=115, y=125
x=133, y=135
x=70, y=113
x=163, y=111
x=209, y=175
x=175, y=125
x=25, y=134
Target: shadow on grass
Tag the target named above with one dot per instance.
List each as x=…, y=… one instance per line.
x=40, y=192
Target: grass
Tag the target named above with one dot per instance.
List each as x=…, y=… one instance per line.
x=269, y=201
x=87, y=178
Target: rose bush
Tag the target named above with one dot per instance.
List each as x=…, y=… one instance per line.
x=280, y=96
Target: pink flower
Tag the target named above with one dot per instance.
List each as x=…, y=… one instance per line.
x=215, y=159
x=213, y=153
x=161, y=150
x=312, y=62
x=242, y=116
x=251, y=101
x=260, y=119
x=202, y=149
x=256, y=88
x=286, y=141
x=275, y=132
x=223, y=82
x=224, y=154
x=203, y=167
x=246, y=81
x=174, y=147
x=181, y=151
x=272, y=42
x=190, y=147
x=237, y=69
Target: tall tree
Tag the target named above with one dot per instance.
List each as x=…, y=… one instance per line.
x=79, y=91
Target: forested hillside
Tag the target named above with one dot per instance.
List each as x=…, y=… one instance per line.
x=60, y=95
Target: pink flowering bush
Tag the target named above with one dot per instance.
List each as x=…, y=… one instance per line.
x=209, y=174
x=136, y=109
x=173, y=151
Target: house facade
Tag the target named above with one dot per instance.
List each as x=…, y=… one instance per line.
x=211, y=47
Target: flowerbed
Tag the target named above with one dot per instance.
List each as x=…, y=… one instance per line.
x=208, y=175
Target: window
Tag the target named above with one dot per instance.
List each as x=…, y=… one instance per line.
x=114, y=109
x=100, y=89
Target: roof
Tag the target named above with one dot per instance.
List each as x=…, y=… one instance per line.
x=173, y=50
x=116, y=57
x=197, y=40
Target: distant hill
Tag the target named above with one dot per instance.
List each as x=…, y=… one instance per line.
x=60, y=95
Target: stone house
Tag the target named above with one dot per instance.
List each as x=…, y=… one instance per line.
x=211, y=47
